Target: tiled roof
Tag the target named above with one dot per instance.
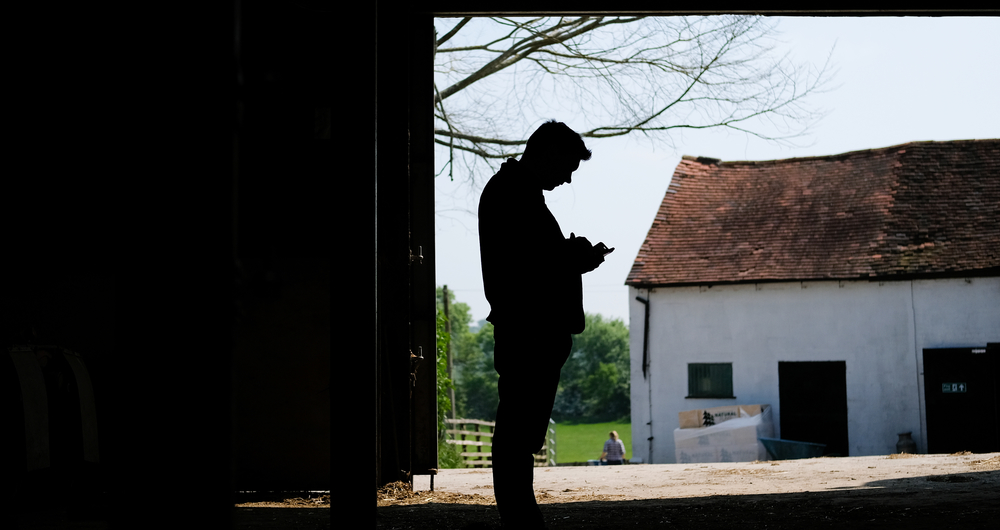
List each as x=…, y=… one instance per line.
x=911, y=209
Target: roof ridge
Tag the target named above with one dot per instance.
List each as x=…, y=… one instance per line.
x=719, y=161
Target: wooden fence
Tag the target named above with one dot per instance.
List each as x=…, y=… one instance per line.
x=476, y=439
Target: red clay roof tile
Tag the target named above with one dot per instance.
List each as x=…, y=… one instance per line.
x=915, y=208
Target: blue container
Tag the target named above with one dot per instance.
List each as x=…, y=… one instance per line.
x=789, y=450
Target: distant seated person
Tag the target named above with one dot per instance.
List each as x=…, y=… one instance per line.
x=614, y=451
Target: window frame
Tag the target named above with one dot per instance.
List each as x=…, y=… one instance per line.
x=714, y=373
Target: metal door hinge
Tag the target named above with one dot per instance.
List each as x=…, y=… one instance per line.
x=419, y=257
x=415, y=363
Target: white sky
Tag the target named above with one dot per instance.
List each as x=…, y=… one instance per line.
x=900, y=79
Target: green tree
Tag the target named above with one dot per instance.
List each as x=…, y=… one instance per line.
x=458, y=315
x=477, y=395
x=595, y=381
x=444, y=383
x=449, y=456
x=594, y=385
x=474, y=377
x=463, y=342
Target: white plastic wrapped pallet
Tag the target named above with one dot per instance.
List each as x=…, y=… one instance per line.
x=734, y=440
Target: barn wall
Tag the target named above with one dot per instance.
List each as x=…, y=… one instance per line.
x=281, y=378
x=877, y=328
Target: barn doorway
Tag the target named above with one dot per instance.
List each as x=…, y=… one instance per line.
x=813, y=404
x=960, y=392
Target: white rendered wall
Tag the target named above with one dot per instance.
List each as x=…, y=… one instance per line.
x=878, y=329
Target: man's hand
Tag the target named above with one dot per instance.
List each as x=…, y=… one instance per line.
x=588, y=257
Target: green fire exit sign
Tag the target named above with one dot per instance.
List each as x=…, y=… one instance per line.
x=953, y=388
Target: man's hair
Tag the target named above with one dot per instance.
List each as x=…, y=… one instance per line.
x=555, y=137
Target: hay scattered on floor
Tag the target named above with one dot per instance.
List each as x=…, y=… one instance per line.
x=400, y=493
x=743, y=471
x=986, y=465
x=395, y=491
x=322, y=501
x=902, y=455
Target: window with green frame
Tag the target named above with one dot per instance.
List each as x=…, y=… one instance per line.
x=710, y=380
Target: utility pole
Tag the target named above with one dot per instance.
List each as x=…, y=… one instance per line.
x=447, y=328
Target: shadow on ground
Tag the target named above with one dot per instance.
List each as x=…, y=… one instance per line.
x=270, y=511
x=965, y=500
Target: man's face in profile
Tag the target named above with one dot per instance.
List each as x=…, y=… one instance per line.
x=558, y=171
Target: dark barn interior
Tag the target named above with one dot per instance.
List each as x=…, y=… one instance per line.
x=171, y=210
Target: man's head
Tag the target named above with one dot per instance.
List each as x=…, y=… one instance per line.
x=554, y=152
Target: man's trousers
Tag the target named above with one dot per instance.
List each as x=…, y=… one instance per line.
x=529, y=363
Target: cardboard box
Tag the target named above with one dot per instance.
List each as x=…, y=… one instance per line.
x=733, y=440
x=694, y=419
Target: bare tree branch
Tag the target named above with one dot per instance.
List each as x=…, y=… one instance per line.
x=620, y=75
x=480, y=152
x=527, y=46
x=453, y=31
x=478, y=139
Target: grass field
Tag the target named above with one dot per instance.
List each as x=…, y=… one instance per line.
x=584, y=441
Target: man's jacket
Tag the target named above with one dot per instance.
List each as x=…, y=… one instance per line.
x=528, y=268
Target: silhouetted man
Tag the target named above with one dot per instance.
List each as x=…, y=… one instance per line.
x=532, y=277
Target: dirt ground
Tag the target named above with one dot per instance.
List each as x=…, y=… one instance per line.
x=959, y=491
